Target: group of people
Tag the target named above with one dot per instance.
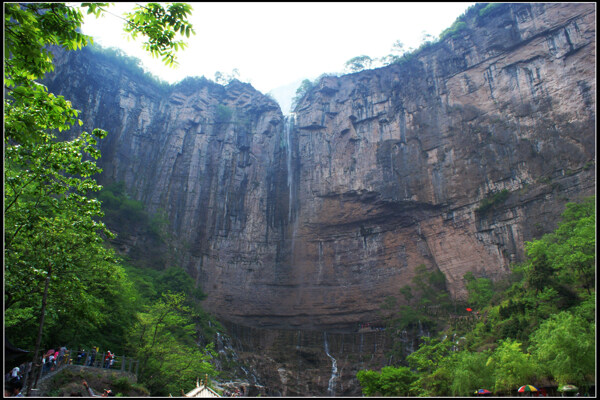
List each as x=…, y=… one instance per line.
x=370, y=327
x=85, y=358
x=53, y=359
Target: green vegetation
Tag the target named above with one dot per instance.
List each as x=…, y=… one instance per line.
x=159, y=24
x=68, y=383
x=302, y=90
x=453, y=30
x=489, y=8
x=492, y=201
x=223, y=114
x=64, y=285
x=131, y=65
x=164, y=338
x=390, y=382
x=427, y=300
x=224, y=79
x=359, y=63
x=537, y=326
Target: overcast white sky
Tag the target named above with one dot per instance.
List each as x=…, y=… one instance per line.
x=274, y=44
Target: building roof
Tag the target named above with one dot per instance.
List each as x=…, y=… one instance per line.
x=202, y=391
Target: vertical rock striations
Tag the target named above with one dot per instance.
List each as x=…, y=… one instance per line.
x=452, y=159
x=397, y=163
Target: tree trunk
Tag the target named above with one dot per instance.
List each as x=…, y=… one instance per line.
x=41, y=328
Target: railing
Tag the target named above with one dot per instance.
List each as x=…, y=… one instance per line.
x=122, y=363
x=41, y=372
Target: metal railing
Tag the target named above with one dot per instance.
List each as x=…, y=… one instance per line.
x=41, y=372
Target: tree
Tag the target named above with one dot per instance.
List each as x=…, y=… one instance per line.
x=390, y=381
x=511, y=366
x=568, y=254
x=358, y=63
x=480, y=290
x=304, y=87
x=538, y=273
x=163, y=339
x=225, y=79
x=397, y=53
x=470, y=372
x=160, y=25
x=52, y=224
x=574, y=243
x=565, y=346
x=426, y=361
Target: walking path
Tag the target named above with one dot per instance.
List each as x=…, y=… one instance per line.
x=38, y=375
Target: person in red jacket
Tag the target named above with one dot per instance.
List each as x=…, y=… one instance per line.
x=107, y=359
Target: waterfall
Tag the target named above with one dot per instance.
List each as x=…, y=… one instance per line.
x=220, y=346
x=334, y=370
x=288, y=127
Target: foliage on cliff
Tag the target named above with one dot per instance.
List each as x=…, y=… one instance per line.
x=538, y=329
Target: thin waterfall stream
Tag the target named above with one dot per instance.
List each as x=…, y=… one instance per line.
x=287, y=130
x=334, y=370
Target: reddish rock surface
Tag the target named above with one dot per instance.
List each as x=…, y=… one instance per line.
x=383, y=170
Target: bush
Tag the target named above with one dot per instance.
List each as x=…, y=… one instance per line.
x=495, y=199
x=454, y=29
x=488, y=9
x=223, y=114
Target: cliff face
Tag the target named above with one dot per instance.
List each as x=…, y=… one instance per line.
x=310, y=223
x=394, y=162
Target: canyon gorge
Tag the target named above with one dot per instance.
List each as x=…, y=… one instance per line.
x=298, y=227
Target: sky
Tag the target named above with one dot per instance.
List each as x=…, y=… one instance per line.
x=278, y=44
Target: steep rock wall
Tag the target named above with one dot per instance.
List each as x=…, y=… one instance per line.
x=394, y=162
x=311, y=224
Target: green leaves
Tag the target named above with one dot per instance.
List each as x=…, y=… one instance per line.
x=548, y=306
x=29, y=29
x=163, y=339
x=160, y=26
x=389, y=382
x=358, y=63
x=512, y=367
x=565, y=346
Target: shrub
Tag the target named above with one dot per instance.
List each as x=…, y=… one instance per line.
x=223, y=114
x=489, y=202
x=454, y=29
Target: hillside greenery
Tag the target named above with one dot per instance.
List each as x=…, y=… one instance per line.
x=535, y=327
x=63, y=282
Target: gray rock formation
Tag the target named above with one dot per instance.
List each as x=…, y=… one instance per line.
x=311, y=225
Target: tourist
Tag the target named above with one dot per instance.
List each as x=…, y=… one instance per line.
x=92, y=357
x=61, y=353
x=14, y=374
x=105, y=393
x=107, y=359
